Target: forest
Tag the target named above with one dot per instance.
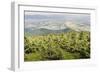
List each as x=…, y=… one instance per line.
x=63, y=46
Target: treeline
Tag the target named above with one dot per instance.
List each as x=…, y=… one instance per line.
x=69, y=45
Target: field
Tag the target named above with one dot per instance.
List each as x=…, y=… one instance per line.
x=63, y=46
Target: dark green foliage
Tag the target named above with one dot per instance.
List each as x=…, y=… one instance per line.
x=69, y=45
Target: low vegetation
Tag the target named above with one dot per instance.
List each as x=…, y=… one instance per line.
x=63, y=46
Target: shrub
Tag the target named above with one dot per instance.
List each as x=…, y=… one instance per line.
x=69, y=45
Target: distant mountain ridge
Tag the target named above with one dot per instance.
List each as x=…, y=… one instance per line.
x=44, y=28
x=43, y=31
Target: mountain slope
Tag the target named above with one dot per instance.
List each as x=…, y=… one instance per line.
x=77, y=27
